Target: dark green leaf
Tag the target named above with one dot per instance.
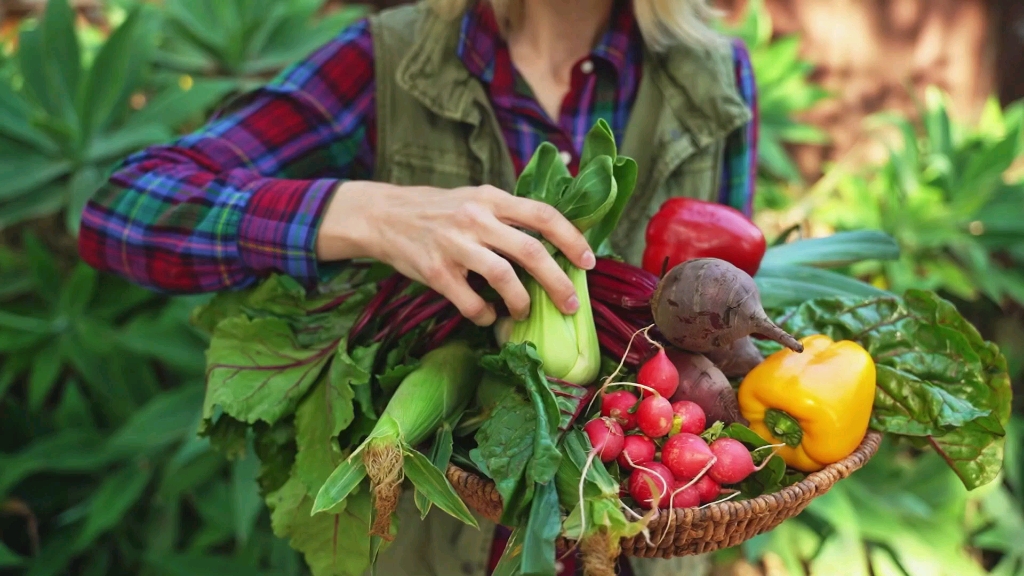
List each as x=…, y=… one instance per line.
x=169, y=417
x=24, y=175
x=590, y=195
x=199, y=565
x=8, y=559
x=937, y=377
x=111, y=76
x=15, y=122
x=43, y=266
x=784, y=286
x=175, y=106
x=505, y=446
x=83, y=185
x=46, y=368
x=78, y=291
x=542, y=529
x=45, y=201
x=318, y=452
x=114, y=498
x=245, y=497
x=433, y=484
x=625, y=183
x=65, y=451
x=770, y=478
x=544, y=176
x=511, y=559
x=331, y=543
x=74, y=410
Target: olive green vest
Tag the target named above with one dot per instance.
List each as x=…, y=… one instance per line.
x=436, y=127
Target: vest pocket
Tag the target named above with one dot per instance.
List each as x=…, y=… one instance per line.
x=418, y=166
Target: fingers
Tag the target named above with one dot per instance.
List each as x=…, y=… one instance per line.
x=549, y=222
x=500, y=274
x=531, y=254
x=455, y=288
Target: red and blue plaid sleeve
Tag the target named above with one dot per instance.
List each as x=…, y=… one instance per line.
x=739, y=180
x=244, y=195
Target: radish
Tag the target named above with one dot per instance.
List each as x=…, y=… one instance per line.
x=685, y=496
x=659, y=373
x=637, y=450
x=707, y=489
x=689, y=417
x=606, y=437
x=686, y=455
x=654, y=416
x=652, y=479
x=733, y=461
x=617, y=406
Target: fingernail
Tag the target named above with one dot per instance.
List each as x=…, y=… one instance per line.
x=573, y=304
x=589, y=260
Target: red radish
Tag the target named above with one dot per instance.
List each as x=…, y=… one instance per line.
x=707, y=489
x=734, y=462
x=685, y=496
x=686, y=455
x=616, y=405
x=606, y=437
x=659, y=373
x=653, y=475
x=654, y=416
x=636, y=450
x=689, y=417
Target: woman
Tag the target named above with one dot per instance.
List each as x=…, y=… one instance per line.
x=398, y=141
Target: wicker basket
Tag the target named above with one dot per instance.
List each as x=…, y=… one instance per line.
x=698, y=531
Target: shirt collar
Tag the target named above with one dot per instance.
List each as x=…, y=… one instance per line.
x=480, y=42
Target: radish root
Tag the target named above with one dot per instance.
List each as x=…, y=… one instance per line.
x=384, y=468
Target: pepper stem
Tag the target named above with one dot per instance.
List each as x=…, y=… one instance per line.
x=784, y=427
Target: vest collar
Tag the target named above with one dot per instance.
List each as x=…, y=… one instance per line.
x=698, y=86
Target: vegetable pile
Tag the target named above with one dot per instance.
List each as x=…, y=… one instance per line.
x=671, y=388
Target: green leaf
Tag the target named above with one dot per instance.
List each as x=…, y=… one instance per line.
x=511, y=559
x=783, y=286
x=175, y=106
x=256, y=370
x=625, y=171
x=245, y=497
x=591, y=194
x=43, y=266
x=194, y=564
x=113, y=146
x=332, y=544
x=542, y=528
x=112, y=73
x=27, y=174
x=505, y=444
x=770, y=478
x=167, y=418
x=112, y=501
x=440, y=457
x=74, y=410
x=936, y=376
x=45, y=201
x=340, y=484
x=433, y=484
x=600, y=141
x=544, y=176
x=318, y=452
x=65, y=451
x=46, y=368
x=83, y=185
x=8, y=559
x=840, y=249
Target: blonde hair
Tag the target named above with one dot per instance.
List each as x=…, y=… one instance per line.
x=663, y=23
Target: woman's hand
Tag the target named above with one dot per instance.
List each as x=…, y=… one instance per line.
x=436, y=237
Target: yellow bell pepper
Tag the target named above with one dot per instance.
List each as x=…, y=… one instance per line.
x=818, y=402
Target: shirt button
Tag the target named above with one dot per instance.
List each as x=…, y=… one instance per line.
x=565, y=156
x=587, y=66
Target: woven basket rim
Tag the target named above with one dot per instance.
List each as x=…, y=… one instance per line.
x=793, y=496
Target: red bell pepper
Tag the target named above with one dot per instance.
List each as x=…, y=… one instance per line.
x=685, y=228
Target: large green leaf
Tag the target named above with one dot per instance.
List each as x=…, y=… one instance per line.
x=782, y=286
x=839, y=249
x=112, y=501
x=22, y=175
x=168, y=418
x=112, y=75
x=174, y=105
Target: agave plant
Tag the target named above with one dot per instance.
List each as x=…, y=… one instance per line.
x=63, y=125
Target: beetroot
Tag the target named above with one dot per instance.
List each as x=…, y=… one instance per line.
x=606, y=437
x=660, y=374
x=616, y=405
x=637, y=450
x=654, y=416
x=652, y=475
x=689, y=417
x=686, y=455
x=703, y=384
x=737, y=359
x=733, y=461
x=706, y=304
x=707, y=489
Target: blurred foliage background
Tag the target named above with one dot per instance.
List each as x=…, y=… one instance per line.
x=101, y=382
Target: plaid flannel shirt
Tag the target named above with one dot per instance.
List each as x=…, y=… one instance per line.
x=243, y=196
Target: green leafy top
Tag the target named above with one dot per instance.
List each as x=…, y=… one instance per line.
x=593, y=201
x=937, y=378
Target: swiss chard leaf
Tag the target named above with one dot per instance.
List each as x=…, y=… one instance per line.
x=936, y=376
x=317, y=450
x=504, y=450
